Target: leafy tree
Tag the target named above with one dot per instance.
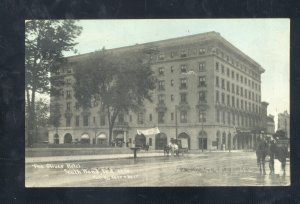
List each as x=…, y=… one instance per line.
x=45, y=41
x=55, y=115
x=121, y=82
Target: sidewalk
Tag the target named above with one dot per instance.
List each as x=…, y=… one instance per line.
x=30, y=160
x=74, y=158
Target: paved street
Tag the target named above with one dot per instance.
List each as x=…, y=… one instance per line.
x=203, y=169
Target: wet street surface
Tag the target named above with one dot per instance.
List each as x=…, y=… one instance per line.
x=203, y=169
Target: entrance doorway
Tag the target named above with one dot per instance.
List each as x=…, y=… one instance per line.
x=202, y=140
x=160, y=141
x=184, y=136
x=68, y=138
x=140, y=140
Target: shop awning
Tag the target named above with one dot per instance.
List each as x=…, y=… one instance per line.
x=85, y=136
x=120, y=136
x=101, y=136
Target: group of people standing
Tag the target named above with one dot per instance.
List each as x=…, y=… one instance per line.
x=269, y=147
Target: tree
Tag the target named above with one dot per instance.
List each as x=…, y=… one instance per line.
x=45, y=41
x=55, y=115
x=121, y=82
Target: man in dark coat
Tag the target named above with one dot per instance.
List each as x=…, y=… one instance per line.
x=272, y=151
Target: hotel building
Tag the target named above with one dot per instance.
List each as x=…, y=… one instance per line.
x=208, y=93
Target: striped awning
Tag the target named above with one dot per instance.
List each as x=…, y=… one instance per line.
x=101, y=136
x=85, y=136
x=120, y=136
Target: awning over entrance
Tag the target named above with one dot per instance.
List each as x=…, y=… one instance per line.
x=85, y=136
x=120, y=136
x=101, y=136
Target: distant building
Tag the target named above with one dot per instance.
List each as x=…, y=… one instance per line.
x=270, y=124
x=202, y=81
x=284, y=122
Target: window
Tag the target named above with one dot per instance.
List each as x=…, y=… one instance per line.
x=161, y=57
x=68, y=81
x=68, y=121
x=242, y=104
x=183, y=116
x=242, y=79
x=223, y=117
x=223, y=84
x=183, y=83
x=249, y=95
x=68, y=106
x=102, y=120
x=228, y=86
x=232, y=74
x=246, y=108
x=245, y=80
x=228, y=72
x=217, y=66
x=172, y=70
x=150, y=117
x=121, y=118
x=217, y=81
x=161, y=71
x=68, y=94
x=69, y=70
x=172, y=82
x=223, y=98
x=77, y=106
x=202, y=96
x=172, y=116
x=183, y=53
x=222, y=68
x=246, y=93
x=85, y=120
x=228, y=118
x=150, y=141
x=237, y=103
x=202, y=117
x=183, y=98
x=218, y=115
x=183, y=68
x=233, y=118
x=232, y=88
x=237, y=77
x=233, y=101
x=201, y=66
x=161, y=99
x=242, y=91
x=172, y=97
x=202, y=81
x=161, y=116
x=228, y=100
x=94, y=120
x=237, y=90
x=201, y=51
x=77, y=121
x=217, y=96
x=161, y=85
x=140, y=118
x=238, y=119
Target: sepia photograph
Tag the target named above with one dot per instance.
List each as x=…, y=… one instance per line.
x=157, y=103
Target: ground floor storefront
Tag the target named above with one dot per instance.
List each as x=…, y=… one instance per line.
x=195, y=137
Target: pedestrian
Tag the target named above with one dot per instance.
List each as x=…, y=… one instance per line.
x=272, y=150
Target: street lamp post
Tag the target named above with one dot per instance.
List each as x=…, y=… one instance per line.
x=202, y=130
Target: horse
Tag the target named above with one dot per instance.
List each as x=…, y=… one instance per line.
x=278, y=151
x=261, y=153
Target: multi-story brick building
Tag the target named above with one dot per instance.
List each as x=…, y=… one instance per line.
x=204, y=83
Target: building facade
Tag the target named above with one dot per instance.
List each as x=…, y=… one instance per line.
x=270, y=125
x=284, y=122
x=208, y=93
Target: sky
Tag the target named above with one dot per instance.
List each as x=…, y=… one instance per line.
x=266, y=41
